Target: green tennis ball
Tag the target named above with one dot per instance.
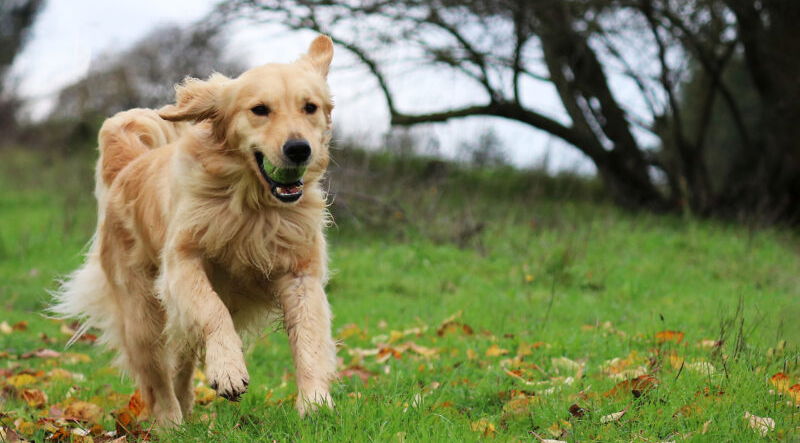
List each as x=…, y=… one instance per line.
x=283, y=175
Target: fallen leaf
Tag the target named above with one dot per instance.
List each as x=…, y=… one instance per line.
x=483, y=427
x=794, y=393
x=710, y=344
x=495, y=351
x=422, y=350
x=136, y=404
x=387, y=353
x=351, y=330
x=780, y=381
x=41, y=353
x=83, y=411
x=20, y=326
x=34, y=397
x=63, y=374
x=74, y=358
x=577, y=411
x=5, y=328
x=357, y=371
x=665, y=336
x=612, y=417
x=703, y=367
x=559, y=429
x=471, y=355
x=21, y=380
x=569, y=365
x=762, y=425
x=204, y=395
x=637, y=386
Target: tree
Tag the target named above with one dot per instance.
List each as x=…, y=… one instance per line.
x=145, y=74
x=16, y=18
x=579, y=47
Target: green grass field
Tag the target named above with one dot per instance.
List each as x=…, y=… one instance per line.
x=563, y=315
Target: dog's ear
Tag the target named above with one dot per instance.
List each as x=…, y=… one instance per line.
x=320, y=54
x=195, y=99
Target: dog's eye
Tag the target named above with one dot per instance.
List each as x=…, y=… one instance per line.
x=260, y=110
x=310, y=108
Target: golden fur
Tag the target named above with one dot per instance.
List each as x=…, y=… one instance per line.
x=191, y=246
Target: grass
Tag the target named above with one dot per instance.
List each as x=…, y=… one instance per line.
x=560, y=300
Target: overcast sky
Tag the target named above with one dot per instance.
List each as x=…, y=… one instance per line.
x=70, y=34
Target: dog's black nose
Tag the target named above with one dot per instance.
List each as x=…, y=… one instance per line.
x=297, y=150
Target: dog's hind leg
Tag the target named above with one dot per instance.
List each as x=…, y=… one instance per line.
x=145, y=354
x=184, y=372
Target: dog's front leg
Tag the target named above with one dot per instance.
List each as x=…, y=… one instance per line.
x=307, y=318
x=195, y=311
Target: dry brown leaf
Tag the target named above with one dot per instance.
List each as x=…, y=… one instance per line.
x=762, y=425
x=637, y=386
x=136, y=404
x=83, y=411
x=357, y=371
x=673, y=336
x=34, y=397
x=20, y=326
x=576, y=411
x=41, y=353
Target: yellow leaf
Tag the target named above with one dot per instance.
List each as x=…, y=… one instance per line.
x=60, y=374
x=484, y=427
x=471, y=355
x=394, y=336
x=675, y=361
x=21, y=380
x=665, y=336
x=780, y=381
x=74, y=358
x=25, y=427
x=5, y=328
x=204, y=395
x=350, y=330
x=496, y=351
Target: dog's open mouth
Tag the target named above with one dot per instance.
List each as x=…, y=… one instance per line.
x=285, y=192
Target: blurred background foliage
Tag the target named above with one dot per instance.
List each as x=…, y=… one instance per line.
x=716, y=135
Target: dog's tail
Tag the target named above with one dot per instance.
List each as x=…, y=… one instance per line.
x=85, y=295
x=128, y=135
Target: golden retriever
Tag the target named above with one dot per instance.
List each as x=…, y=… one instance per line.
x=210, y=218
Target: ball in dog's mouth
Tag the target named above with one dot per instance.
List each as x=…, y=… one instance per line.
x=286, y=184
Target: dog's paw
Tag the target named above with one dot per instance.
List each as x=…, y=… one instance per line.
x=228, y=378
x=310, y=403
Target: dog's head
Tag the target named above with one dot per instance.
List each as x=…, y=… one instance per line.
x=276, y=118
